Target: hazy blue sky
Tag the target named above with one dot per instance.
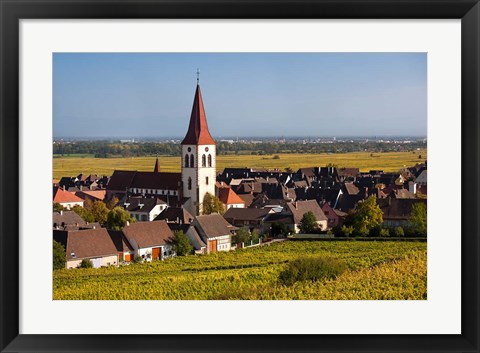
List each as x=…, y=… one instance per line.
x=245, y=94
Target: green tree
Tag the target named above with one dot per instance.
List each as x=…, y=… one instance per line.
x=112, y=203
x=57, y=207
x=87, y=204
x=241, y=236
x=254, y=236
x=181, y=243
x=346, y=231
x=418, y=219
x=212, y=204
x=398, y=232
x=58, y=256
x=86, y=214
x=86, y=263
x=118, y=218
x=384, y=232
x=99, y=211
x=367, y=216
x=278, y=229
x=308, y=224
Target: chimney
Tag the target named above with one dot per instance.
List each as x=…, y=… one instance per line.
x=412, y=187
x=127, y=224
x=61, y=212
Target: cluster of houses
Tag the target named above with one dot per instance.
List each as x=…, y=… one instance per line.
x=253, y=198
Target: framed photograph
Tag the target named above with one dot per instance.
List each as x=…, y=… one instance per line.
x=232, y=176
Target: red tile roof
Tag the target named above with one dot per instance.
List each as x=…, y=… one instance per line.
x=62, y=196
x=229, y=197
x=92, y=194
x=198, y=133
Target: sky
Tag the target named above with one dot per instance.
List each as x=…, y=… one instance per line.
x=245, y=94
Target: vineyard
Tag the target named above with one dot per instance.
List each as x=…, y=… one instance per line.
x=388, y=162
x=375, y=270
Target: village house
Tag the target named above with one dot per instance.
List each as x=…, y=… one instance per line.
x=126, y=253
x=69, y=220
x=397, y=212
x=124, y=183
x=95, y=245
x=178, y=215
x=144, y=208
x=335, y=217
x=199, y=246
x=92, y=195
x=253, y=218
x=230, y=199
x=214, y=231
x=66, y=199
x=299, y=208
x=150, y=240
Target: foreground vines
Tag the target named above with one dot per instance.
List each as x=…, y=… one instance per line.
x=376, y=270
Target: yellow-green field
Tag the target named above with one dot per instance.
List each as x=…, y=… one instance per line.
x=376, y=270
x=389, y=161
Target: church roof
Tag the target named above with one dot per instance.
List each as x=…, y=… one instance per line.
x=156, y=169
x=198, y=133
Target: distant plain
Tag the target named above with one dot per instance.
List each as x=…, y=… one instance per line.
x=387, y=161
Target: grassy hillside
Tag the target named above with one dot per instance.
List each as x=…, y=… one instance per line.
x=390, y=161
x=376, y=270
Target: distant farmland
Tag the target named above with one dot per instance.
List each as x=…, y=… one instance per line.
x=388, y=161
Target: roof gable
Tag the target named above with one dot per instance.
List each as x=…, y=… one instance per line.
x=148, y=234
x=299, y=208
x=62, y=196
x=89, y=243
x=228, y=196
x=212, y=225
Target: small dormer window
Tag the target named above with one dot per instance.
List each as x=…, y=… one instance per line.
x=73, y=255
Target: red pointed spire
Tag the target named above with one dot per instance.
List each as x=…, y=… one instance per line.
x=198, y=133
x=156, y=169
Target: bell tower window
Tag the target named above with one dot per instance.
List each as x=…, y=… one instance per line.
x=204, y=161
x=209, y=160
x=186, y=161
x=192, y=161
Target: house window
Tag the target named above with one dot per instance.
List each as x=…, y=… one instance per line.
x=209, y=160
x=204, y=161
x=206, y=180
x=186, y=161
x=189, y=183
x=192, y=161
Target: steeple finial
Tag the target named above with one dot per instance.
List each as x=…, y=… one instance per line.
x=198, y=76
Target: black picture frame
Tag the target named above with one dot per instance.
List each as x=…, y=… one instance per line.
x=12, y=11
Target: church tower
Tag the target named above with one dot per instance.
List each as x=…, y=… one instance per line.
x=198, y=158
